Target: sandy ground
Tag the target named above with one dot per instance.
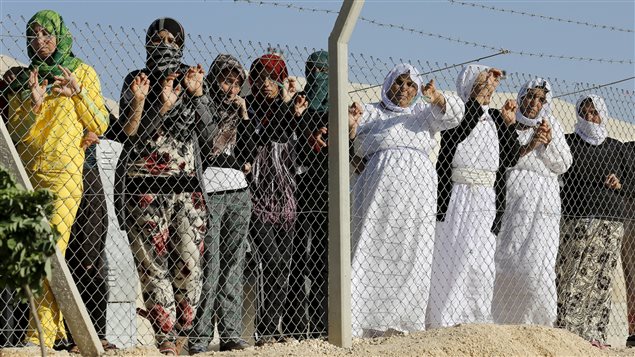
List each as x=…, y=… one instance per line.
x=459, y=341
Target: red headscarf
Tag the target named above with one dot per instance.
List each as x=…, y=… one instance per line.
x=272, y=64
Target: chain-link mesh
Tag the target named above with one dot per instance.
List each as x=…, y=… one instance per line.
x=202, y=210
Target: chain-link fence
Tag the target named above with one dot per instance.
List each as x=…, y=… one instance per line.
x=202, y=210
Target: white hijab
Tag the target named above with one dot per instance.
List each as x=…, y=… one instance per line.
x=465, y=81
x=592, y=133
x=390, y=79
x=546, y=108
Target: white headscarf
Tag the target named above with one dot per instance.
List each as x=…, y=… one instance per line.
x=546, y=108
x=465, y=81
x=390, y=79
x=592, y=133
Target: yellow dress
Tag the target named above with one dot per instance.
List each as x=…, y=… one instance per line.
x=49, y=144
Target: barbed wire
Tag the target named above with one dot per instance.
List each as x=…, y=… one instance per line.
x=502, y=52
x=595, y=87
x=544, y=17
x=441, y=36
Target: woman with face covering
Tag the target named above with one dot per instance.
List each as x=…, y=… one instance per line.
x=471, y=167
x=525, y=285
x=229, y=207
x=272, y=185
x=393, y=206
x=591, y=229
x=158, y=192
x=52, y=104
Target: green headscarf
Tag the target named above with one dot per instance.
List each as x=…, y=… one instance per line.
x=317, y=83
x=63, y=56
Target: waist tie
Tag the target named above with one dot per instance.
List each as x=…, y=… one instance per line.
x=473, y=177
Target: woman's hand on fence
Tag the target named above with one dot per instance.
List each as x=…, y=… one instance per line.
x=430, y=91
x=37, y=91
x=316, y=139
x=508, y=112
x=66, y=85
x=240, y=103
x=193, y=80
x=140, y=87
x=289, y=89
x=355, y=112
x=169, y=93
x=300, y=105
x=613, y=182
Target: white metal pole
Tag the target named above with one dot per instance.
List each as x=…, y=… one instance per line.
x=339, y=303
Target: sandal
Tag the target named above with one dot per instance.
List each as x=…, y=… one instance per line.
x=168, y=348
x=74, y=349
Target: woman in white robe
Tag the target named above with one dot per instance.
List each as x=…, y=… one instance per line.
x=527, y=246
x=470, y=159
x=393, y=205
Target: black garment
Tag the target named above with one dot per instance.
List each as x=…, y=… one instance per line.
x=86, y=253
x=584, y=193
x=509, y=153
x=628, y=208
x=273, y=248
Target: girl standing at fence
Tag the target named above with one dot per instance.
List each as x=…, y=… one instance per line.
x=471, y=167
x=525, y=285
x=47, y=125
x=272, y=113
x=393, y=206
x=591, y=230
x=163, y=209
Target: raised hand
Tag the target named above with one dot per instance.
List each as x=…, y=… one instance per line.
x=300, y=105
x=430, y=91
x=316, y=139
x=355, y=112
x=543, y=133
x=241, y=104
x=37, y=91
x=613, y=182
x=289, y=89
x=508, y=112
x=66, y=85
x=140, y=87
x=485, y=85
x=193, y=80
x=170, y=94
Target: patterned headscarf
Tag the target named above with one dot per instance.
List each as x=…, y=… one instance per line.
x=272, y=64
x=63, y=56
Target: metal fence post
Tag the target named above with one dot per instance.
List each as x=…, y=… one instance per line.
x=339, y=302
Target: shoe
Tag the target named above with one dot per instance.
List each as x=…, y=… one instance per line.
x=630, y=341
x=266, y=340
x=288, y=339
x=196, y=348
x=234, y=345
x=168, y=348
x=108, y=346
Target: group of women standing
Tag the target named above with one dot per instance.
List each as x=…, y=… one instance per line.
x=481, y=237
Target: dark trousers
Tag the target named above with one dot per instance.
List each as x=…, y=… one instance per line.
x=272, y=245
x=307, y=300
x=86, y=253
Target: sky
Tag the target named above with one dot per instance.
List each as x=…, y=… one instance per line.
x=264, y=24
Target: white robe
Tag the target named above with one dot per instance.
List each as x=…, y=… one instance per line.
x=525, y=287
x=394, y=215
x=463, y=266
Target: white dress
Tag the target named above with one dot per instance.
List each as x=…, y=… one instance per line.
x=394, y=215
x=463, y=267
x=525, y=287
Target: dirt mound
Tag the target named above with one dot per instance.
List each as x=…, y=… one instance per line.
x=458, y=341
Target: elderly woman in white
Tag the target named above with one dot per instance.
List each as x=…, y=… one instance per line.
x=393, y=206
x=471, y=167
x=527, y=246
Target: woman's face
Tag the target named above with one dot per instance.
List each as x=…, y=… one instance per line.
x=265, y=86
x=164, y=36
x=403, y=90
x=229, y=82
x=43, y=43
x=589, y=113
x=532, y=102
